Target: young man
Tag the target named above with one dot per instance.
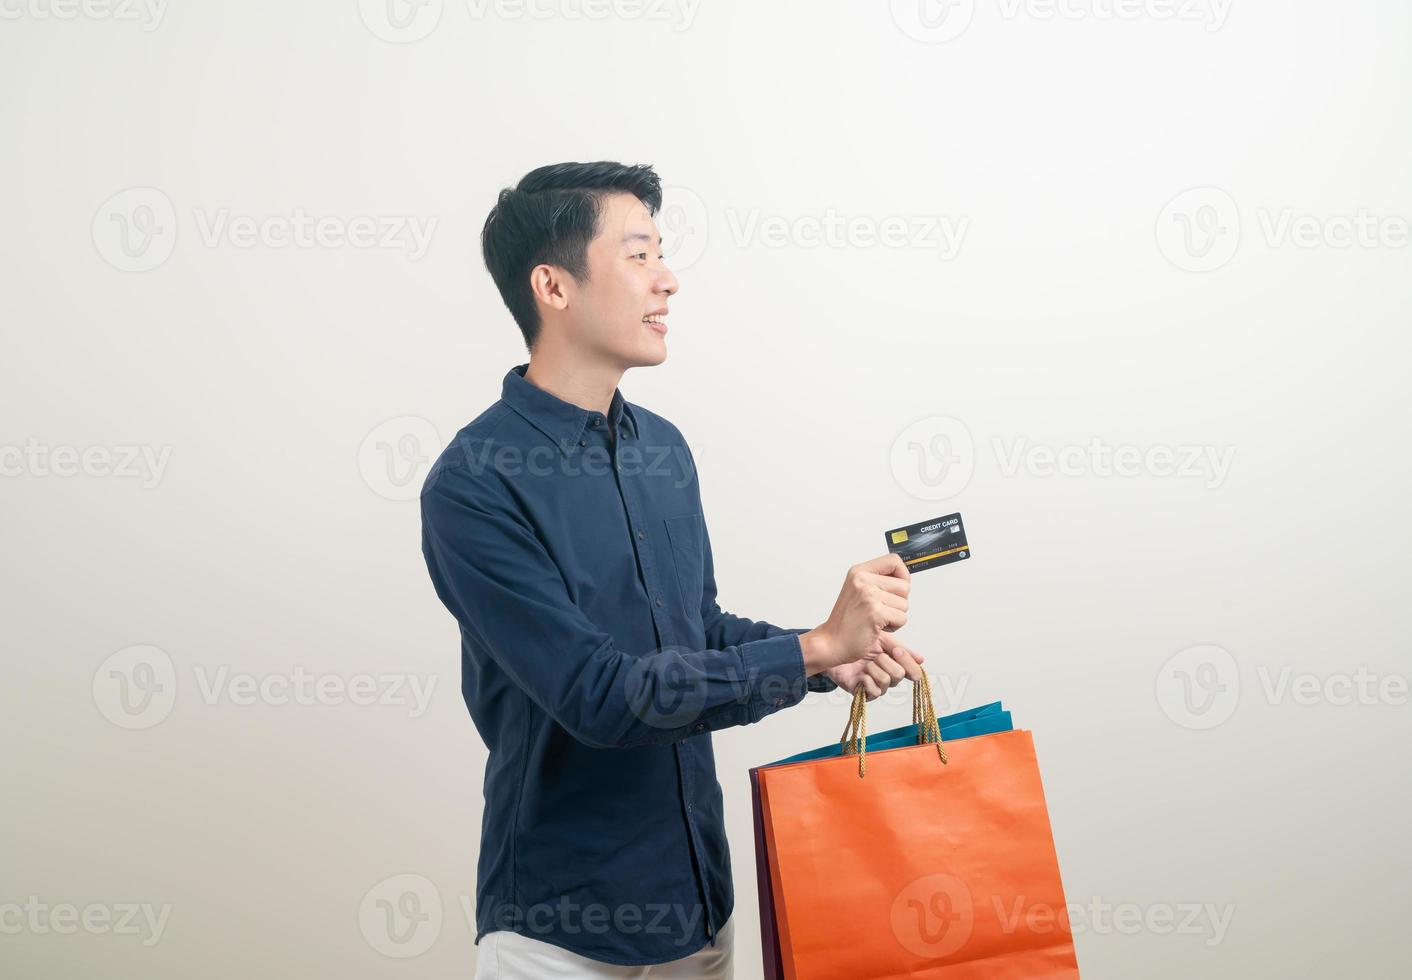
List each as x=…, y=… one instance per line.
x=563, y=529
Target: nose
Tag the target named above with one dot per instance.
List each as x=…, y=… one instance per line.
x=666, y=282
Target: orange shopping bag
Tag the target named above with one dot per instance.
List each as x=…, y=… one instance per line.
x=920, y=861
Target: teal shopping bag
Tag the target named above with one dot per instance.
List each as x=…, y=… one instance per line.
x=985, y=720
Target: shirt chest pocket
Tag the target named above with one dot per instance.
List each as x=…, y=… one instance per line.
x=686, y=535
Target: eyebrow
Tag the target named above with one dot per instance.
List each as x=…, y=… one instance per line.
x=638, y=236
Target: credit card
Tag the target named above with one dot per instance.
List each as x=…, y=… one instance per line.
x=931, y=543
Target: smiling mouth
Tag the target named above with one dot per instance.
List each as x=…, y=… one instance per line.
x=657, y=321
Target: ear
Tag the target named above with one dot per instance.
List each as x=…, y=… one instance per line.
x=549, y=283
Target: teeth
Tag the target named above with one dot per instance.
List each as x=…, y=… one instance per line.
x=654, y=318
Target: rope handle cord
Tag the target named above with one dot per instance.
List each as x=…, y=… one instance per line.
x=855, y=735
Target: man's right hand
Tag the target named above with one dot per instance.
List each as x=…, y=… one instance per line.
x=873, y=599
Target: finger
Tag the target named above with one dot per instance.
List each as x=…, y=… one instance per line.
x=892, y=619
x=897, y=586
x=870, y=688
x=895, y=601
x=880, y=677
x=888, y=564
x=906, y=658
x=890, y=643
x=889, y=665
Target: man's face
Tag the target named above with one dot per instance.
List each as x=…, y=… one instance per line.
x=627, y=283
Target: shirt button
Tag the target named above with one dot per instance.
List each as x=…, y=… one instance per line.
x=641, y=535
x=659, y=600
x=701, y=727
x=779, y=702
x=690, y=807
x=583, y=442
x=597, y=423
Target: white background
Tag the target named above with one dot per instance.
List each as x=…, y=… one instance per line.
x=829, y=391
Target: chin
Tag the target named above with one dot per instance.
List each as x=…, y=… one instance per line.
x=650, y=356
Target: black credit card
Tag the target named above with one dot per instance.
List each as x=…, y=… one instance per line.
x=930, y=543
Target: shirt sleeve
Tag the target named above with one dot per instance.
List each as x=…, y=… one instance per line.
x=495, y=576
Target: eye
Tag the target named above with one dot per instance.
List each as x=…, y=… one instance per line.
x=640, y=255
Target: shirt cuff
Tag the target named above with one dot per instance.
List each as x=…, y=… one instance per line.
x=774, y=669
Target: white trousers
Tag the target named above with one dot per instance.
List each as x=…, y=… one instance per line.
x=503, y=955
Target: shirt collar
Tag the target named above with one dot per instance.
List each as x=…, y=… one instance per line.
x=563, y=422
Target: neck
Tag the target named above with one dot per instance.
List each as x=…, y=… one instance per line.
x=571, y=377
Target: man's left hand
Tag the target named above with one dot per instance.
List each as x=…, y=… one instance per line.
x=881, y=674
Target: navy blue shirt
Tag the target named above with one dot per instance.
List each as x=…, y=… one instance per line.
x=596, y=662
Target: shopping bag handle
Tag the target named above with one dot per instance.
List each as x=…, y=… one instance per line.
x=855, y=735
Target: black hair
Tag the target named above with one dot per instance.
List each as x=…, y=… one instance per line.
x=549, y=217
